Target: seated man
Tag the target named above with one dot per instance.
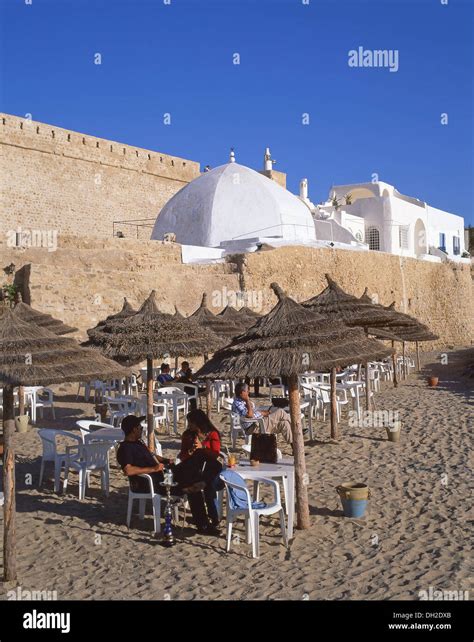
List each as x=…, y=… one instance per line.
x=165, y=376
x=185, y=372
x=135, y=459
x=275, y=422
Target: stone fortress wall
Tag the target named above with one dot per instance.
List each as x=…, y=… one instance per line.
x=56, y=179
x=85, y=279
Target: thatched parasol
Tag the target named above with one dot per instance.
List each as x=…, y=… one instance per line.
x=248, y=312
x=151, y=334
x=126, y=311
x=333, y=301
x=27, y=313
x=177, y=313
x=404, y=327
x=218, y=324
x=287, y=340
x=241, y=321
x=30, y=355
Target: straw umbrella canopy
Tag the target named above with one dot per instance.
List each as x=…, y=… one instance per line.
x=223, y=327
x=234, y=316
x=27, y=313
x=333, y=301
x=151, y=334
x=177, y=313
x=126, y=311
x=287, y=340
x=249, y=315
x=30, y=355
x=404, y=328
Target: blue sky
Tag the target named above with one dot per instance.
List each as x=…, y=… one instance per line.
x=178, y=59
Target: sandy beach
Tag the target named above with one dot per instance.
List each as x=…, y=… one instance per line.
x=415, y=535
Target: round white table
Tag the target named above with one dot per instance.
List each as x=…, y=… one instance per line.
x=109, y=434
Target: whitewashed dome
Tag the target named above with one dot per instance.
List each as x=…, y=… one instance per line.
x=234, y=202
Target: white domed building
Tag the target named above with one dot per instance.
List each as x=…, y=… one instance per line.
x=235, y=208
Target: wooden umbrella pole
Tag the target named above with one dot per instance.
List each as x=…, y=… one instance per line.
x=334, y=426
x=367, y=386
x=21, y=400
x=208, y=398
x=404, y=370
x=9, y=530
x=301, y=478
x=149, y=404
x=176, y=365
x=394, y=363
x=417, y=356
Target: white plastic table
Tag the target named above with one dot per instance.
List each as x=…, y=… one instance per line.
x=109, y=434
x=284, y=470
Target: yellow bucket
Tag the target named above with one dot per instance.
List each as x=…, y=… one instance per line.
x=353, y=490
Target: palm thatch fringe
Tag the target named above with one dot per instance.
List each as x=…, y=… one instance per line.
x=152, y=334
x=289, y=340
x=333, y=301
x=30, y=356
x=221, y=326
x=29, y=314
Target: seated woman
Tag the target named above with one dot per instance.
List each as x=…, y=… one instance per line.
x=201, y=443
x=135, y=459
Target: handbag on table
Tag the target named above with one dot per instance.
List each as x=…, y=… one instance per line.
x=264, y=448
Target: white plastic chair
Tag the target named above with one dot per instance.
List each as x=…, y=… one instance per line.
x=50, y=453
x=374, y=379
x=91, y=457
x=227, y=403
x=182, y=403
x=37, y=399
x=184, y=387
x=237, y=428
x=160, y=411
x=322, y=393
x=220, y=390
x=279, y=386
x=117, y=409
x=156, y=499
x=240, y=503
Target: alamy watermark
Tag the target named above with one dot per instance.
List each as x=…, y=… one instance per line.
x=23, y=238
x=251, y=298
x=442, y=594
x=19, y=594
x=386, y=58
x=375, y=419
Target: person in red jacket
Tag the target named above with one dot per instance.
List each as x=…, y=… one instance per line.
x=202, y=442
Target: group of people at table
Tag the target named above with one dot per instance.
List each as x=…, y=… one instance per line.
x=198, y=471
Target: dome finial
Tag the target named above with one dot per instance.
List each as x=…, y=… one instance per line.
x=268, y=162
x=231, y=155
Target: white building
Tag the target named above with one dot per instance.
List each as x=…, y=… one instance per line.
x=233, y=208
x=392, y=222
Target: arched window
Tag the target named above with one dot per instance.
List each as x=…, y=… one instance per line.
x=373, y=238
x=359, y=237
